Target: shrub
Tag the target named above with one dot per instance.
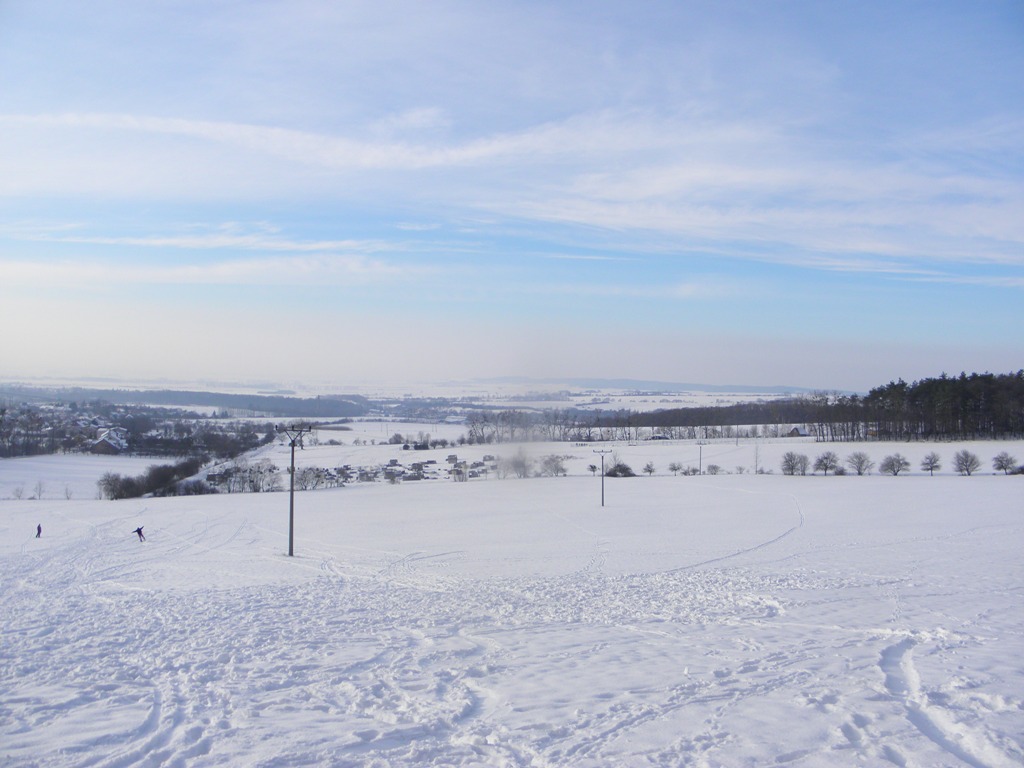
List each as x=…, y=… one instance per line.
x=194, y=488
x=115, y=487
x=159, y=476
x=620, y=469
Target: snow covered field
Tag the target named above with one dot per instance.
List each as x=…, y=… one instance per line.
x=64, y=476
x=722, y=620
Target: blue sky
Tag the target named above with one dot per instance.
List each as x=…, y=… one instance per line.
x=820, y=194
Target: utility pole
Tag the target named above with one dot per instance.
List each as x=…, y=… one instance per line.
x=294, y=434
x=602, y=473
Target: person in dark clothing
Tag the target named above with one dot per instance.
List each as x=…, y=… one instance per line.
x=139, y=531
x=39, y=531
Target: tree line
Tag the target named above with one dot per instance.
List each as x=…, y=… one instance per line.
x=965, y=462
x=157, y=480
x=966, y=407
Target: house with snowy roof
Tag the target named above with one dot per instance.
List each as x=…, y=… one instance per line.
x=110, y=442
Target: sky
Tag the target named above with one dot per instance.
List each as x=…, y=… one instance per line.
x=826, y=195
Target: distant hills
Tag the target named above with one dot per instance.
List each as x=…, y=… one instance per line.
x=643, y=385
x=280, y=402
x=339, y=406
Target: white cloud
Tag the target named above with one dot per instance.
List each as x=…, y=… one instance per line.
x=990, y=281
x=578, y=135
x=707, y=288
x=311, y=270
x=414, y=227
x=419, y=120
x=705, y=180
x=220, y=241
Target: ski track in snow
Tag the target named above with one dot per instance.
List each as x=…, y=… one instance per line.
x=759, y=546
x=405, y=658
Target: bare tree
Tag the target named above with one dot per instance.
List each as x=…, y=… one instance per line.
x=931, y=463
x=519, y=465
x=262, y=477
x=966, y=463
x=235, y=475
x=795, y=463
x=860, y=462
x=1005, y=462
x=894, y=464
x=649, y=468
x=826, y=462
x=552, y=466
x=675, y=467
x=309, y=478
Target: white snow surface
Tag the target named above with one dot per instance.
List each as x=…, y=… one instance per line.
x=730, y=620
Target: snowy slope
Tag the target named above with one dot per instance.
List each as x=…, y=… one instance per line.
x=710, y=621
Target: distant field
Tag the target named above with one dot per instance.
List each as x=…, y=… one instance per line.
x=77, y=473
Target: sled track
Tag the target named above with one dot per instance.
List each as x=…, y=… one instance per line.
x=750, y=550
x=970, y=745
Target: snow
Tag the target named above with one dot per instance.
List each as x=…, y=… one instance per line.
x=724, y=620
x=64, y=476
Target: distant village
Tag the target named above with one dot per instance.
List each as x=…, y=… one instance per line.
x=241, y=476
x=221, y=441
x=30, y=429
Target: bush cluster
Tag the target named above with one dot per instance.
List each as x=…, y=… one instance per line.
x=158, y=480
x=620, y=469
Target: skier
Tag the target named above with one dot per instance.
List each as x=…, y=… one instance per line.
x=139, y=532
x=39, y=531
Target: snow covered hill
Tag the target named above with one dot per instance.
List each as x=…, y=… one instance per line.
x=708, y=621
